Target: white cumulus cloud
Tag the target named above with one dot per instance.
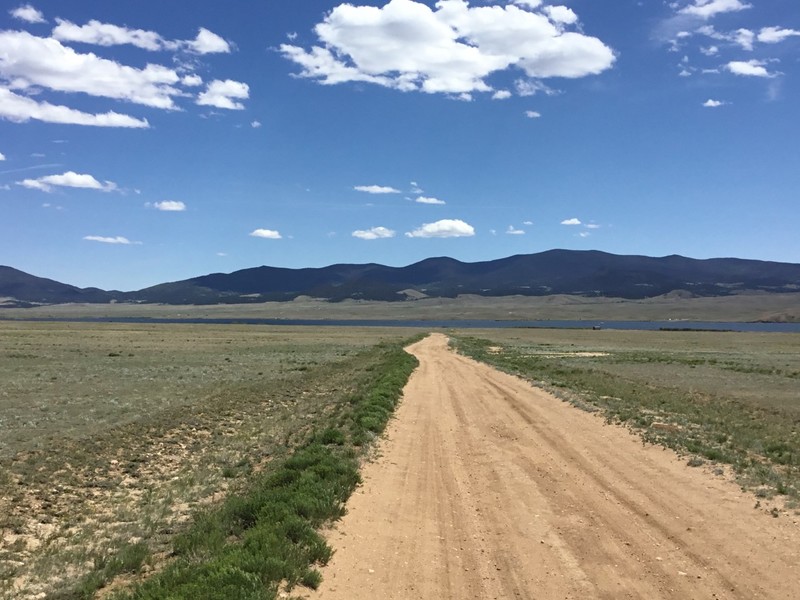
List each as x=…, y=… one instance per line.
x=106, y=34
x=711, y=103
x=376, y=189
x=374, y=233
x=572, y=221
x=109, y=240
x=749, y=68
x=2, y=156
x=224, y=94
x=705, y=9
x=532, y=114
x=450, y=49
x=429, y=200
x=269, y=234
x=20, y=109
x=192, y=80
x=446, y=228
x=501, y=95
x=774, y=35
x=27, y=13
x=514, y=231
x=69, y=179
x=561, y=14
x=170, y=205
x=208, y=42
x=27, y=61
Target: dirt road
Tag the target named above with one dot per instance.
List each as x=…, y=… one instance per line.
x=489, y=488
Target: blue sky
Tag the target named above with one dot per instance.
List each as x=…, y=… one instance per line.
x=144, y=142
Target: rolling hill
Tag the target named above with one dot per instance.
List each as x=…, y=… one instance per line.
x=584, y=273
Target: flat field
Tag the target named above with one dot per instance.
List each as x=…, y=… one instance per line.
x=112, y=436
x=742, y=307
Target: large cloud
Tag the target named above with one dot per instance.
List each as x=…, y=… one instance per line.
x=30, y=64
x=69, y=179
x=27, y=61
x=20, y=109
x=451, y=49
x=446, y=228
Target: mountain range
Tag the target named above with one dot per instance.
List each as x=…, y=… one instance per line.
x=585, y=273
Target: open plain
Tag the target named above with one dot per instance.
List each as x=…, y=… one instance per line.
x=610, y=464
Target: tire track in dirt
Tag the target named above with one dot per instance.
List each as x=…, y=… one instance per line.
x=487, y=487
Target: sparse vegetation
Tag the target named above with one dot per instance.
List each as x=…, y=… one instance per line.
x=722, y=398
x=102, y=469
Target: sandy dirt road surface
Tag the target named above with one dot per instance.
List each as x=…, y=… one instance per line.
x=487, y=487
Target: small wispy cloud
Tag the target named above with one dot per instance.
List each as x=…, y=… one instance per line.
x=376, y=189
x=706, y=9
x=374, y=233
x=69, y=179
x=170, y=206
x=269, y=234
x=532, y=114
x=514, y=231
x=572, y=221
x=109, y=240
x=711, y=103
x=429, y=200
x=255, y=124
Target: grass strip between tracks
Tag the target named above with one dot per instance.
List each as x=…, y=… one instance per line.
x=761, y=446
x=264, y=540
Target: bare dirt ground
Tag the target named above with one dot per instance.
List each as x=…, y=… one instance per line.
x=487, y=487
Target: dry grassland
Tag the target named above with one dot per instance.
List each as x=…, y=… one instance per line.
x=113, y=435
